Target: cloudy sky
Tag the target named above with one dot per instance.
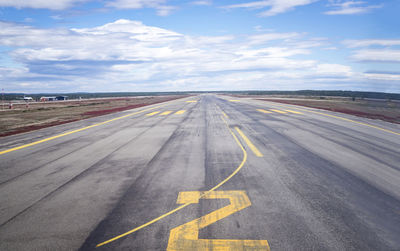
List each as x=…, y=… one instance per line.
x=167, y=45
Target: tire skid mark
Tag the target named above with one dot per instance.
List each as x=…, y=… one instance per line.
x=80, y=174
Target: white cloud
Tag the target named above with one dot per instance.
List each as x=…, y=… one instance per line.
x=202, y=2
x=128, y=55
x=333, y=70
x=56, y=17
x=377, y=55
x=272, y=52
x=332, y=48
x=28, y=20
x=313, y=43
x=350, y=7
x=275, y=6
x=159, y=5
x=370, y=42
x=165, y=10
x=25, y=84
x=253, y=5
x=263, y=38
x=382, y=76
x=134, y=41
x=279, y=6
x=40, y=4
x=12, y=72
x=133, y=29
x=135, y=4
x=374, y=50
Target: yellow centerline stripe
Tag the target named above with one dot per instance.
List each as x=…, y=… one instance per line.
x=241, y=164
x=357, y=122
x=165, y=113
x=249, y=143
x=345, y=119
x=294, y=112
x=152, y=113
x=75, y=131
x=263, y=111
x=223, y=113
x=278, y=111
x=180, y=112
x=187, y=204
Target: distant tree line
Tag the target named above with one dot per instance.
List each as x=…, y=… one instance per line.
x=321, y=93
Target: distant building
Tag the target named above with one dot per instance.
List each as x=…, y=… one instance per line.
x=42, y=99
x=53, y=98
x=28, y=98
x=61, y=97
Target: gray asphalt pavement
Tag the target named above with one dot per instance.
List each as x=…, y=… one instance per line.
x=243, y=174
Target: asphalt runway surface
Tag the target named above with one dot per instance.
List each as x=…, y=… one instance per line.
x=206, y=172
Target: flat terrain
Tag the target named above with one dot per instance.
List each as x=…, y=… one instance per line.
x=387, y=110
x=207, y=172
x=28, y=116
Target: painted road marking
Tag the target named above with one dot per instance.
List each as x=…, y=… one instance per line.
x=234, y=100
x=263, y=111
x=152, y=113
x=294, y=112
x=186, y=236
x=249, y=143
x=278, y=111
x=223, y=113
x=165, y=113
x=357, y=122
x=187, y=204
x=345, y=119
x=180, y=112
x=77, y=130
x=191, y=101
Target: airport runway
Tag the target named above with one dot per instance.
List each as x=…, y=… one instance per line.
x=204, y=173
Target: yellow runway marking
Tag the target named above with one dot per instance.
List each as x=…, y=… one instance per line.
x=294, y=112
x=223, y=113
x=187, y=204
x=191, y=101
x=357, y=122
x=186, y=236
x=152, y=113
x=278, y=111
x=75, y=131
x=234, y=100
x=180, y=112
x=165, y=113
x=263, y=111
x=348, y=120
x=249, y=143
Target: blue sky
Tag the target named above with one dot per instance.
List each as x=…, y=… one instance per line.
x=161, y=45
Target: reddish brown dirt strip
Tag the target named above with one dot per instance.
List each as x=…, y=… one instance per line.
x=42, y=115
x=119, y=109
x=36, y=127
x=337, y=107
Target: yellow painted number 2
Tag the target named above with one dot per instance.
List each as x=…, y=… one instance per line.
x=186, y=236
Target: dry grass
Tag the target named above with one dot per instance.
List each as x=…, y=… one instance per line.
x=30, y=117
x=386, y=110
x=374, y=109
